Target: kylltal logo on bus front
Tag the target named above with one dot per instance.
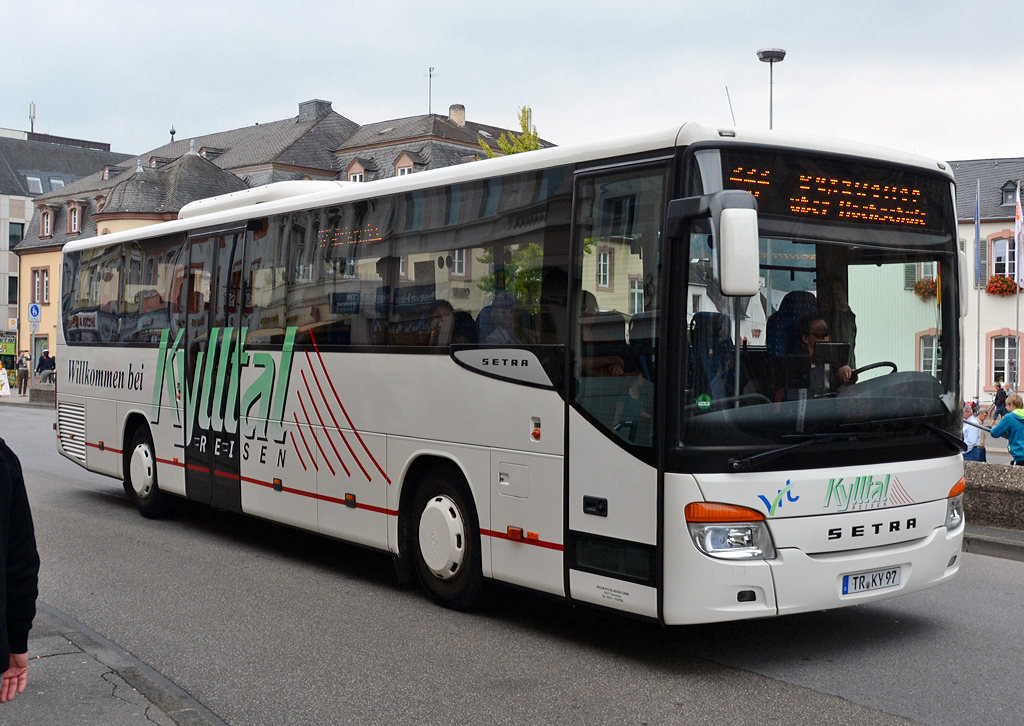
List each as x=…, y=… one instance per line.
x=849, y=494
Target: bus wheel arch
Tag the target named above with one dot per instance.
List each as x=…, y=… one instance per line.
x=439, y=532
x=140, y=470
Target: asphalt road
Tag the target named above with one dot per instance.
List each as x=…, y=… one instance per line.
x=267, y=625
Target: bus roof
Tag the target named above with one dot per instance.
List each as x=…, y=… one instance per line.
x=290, y=196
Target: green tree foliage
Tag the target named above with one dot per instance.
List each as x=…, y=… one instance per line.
x=519, y=274
x=511, y=143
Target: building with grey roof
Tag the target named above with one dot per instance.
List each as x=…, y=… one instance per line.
x=317, y=144
x=991, y=344
x=32, y=165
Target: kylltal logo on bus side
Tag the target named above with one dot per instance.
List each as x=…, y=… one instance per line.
x=214, y=387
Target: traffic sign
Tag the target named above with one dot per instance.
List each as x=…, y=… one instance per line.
x=33, y=313
x=12, y=323
x=33, y=327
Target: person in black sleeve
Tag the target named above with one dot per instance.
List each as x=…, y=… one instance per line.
x=19, y=563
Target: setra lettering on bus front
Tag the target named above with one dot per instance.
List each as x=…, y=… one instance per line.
x=865, y=530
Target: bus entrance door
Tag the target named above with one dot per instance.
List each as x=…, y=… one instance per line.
x=213, y=348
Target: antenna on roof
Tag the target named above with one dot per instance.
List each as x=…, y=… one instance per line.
x=430, y=78
x=32, y=116
x=730, y=105
x=172, y=133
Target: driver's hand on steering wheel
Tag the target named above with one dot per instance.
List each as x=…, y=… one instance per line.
x=844, y=374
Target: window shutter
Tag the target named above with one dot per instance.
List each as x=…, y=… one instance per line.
x=983, y=254
x=909, y=275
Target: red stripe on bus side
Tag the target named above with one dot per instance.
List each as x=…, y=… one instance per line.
x=193, y=467
x=321, y=497
x=111, y=449
x=534, y=542
x=331, y=414
x=344, y=412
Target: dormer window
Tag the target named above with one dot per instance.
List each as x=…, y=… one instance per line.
x=403, y=170
x=35, y=185
x=73, y=220
x=355, y=176
x=56, y=184
x=46, y=223
x=1009, y=193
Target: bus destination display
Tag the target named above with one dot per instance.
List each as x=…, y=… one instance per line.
x=829, y=190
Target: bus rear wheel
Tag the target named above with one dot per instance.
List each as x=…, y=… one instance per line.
x=446, y=542
x=140, y=477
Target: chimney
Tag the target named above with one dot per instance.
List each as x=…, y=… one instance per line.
x=457, y=114
x=312, y=110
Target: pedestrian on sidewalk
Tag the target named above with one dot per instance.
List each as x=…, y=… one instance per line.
x=22, y=366
x=999, y=404
x=46, y=368
x=19, y=584
x=1011, y=426
x=972, y=435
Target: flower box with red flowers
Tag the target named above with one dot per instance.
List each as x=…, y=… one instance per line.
x=925, y=288
x=1001, y=285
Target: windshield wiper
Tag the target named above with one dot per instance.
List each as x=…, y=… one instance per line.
x=921, y=421
x=749, y=462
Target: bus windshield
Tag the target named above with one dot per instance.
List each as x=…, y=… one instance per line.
x=853, y=334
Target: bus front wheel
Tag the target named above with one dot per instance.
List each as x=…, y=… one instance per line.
x=140, y=478
x=446, y=543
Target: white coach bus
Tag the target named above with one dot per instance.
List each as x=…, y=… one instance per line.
x=689, y=375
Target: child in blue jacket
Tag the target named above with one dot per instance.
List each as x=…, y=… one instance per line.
x=1011, y=426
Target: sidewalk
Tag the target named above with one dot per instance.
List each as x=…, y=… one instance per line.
x=76, y=676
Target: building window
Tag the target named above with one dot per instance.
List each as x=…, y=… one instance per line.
x=401, y=268
x=73, y=220
x=459, y=263
x=1004, y=256
x=356, y=177
x=604, y=258
x=1009, y=193
x=35, y=185
x=931, y=355
x=350, y=267
x=12, y=290
x=15, y=233
x=636, y=296
x=929, y=270
x=56, y=184
x=41, y=285
x=403, y=170
x=1004, y=358
x=695, y=303
x=46, y=223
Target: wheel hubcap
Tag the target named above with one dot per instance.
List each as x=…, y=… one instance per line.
x=442, y=537
x=142, y=471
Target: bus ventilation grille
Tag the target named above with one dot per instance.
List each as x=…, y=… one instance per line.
x=71, y=430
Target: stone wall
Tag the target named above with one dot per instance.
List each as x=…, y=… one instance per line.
x=995, y=495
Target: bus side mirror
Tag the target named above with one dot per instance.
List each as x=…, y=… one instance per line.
x=738, y=251
x=964, y=290
x=733, y=216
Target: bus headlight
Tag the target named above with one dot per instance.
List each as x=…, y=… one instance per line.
x=729, y=532
x=955, y=505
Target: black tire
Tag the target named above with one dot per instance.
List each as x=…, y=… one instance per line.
x=443, y=538
x=140, y=482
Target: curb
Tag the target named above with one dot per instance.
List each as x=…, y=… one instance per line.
x=170, y=698
x=1007, y=544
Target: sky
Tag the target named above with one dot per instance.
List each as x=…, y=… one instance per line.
x=940, y=78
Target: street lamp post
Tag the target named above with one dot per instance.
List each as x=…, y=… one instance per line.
x=771, y=56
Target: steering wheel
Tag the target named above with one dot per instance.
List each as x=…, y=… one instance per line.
x=874, y=365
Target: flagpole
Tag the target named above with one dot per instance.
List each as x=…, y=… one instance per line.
x=1018, y=241
x=977, y=285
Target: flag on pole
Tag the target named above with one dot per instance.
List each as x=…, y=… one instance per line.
x=1018, y=236
x=977, y=236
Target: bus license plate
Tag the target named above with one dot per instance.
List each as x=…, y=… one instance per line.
x=874, y=580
